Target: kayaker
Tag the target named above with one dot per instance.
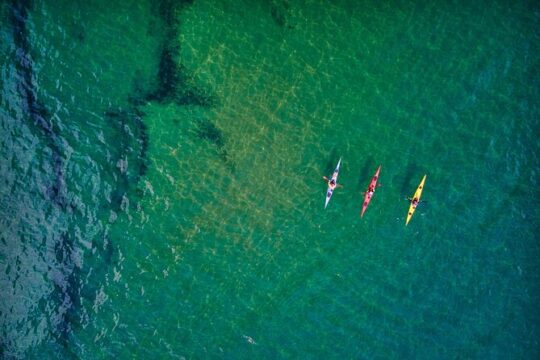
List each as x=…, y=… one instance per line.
x=331, y=183
x=371, y=190
x=414, y=201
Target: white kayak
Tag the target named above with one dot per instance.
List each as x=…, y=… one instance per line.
x=330, y=190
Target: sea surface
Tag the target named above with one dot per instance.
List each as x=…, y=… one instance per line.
x=161, y=170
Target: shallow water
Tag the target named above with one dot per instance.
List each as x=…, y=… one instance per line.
x=162, y=197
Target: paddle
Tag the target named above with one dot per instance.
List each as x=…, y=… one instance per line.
x=327, y=180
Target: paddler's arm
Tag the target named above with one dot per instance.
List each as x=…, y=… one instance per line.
x=419, y=201
x=325, y=178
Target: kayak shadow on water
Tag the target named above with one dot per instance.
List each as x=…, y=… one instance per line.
x=368, y=169
x=333, y=159
x=410, y=180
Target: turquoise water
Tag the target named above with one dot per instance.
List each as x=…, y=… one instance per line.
x=161, y=172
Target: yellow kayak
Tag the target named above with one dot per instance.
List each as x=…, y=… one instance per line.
x=415, y=199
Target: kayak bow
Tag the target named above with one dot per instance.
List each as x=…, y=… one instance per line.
x=368, y=196
x=330, y=191
x=417, y=195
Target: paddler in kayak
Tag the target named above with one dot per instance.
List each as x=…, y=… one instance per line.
x=371, y=190
x=414, y=202
x=331, y=183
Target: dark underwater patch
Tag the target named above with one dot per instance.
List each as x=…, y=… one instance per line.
x=173, y=83
x=132, y=139
x=63, y=279
x=168, y=10
x=57, y=191
x=277, y=15
x=139, y=94
x=37, y=114
x=206, y=130
x=81, y=35
x=278, y=11
x=38, y=119
x=168, y=77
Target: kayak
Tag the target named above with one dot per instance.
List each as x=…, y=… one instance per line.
x=330, y=191
x=417, y=195
x=368, y=196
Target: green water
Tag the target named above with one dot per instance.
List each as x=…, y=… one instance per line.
x=161, y=168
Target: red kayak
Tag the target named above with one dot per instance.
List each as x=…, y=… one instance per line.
x=370, y=191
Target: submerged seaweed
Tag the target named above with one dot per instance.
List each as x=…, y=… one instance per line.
x=206, y=130
x=173, y=82
x=36, y=112
x=278, y=11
